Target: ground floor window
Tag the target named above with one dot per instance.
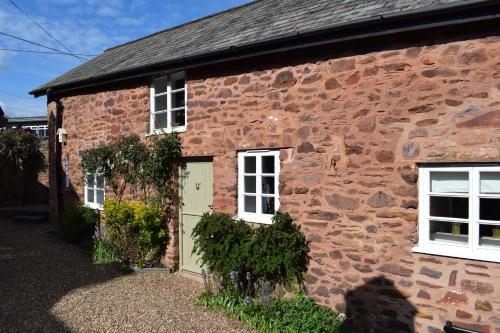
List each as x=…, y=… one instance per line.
x=459, y=211
x=258, y=177
x=94, y=191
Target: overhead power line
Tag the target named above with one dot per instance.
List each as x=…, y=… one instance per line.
x=18, y=96
x=46, y=52
x=38, y=44
x=38, y=25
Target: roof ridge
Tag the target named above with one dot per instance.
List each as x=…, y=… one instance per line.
x=187, y=23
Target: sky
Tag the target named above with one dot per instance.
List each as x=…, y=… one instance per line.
x=85, y=27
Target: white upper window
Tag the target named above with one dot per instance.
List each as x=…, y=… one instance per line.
x=258, y=192
x=459, y=212
x=168, y=104
x=94, y=191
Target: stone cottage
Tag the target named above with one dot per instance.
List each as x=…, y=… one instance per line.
x=375, y=124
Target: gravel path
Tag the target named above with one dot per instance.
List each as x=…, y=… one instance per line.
x=47, y=285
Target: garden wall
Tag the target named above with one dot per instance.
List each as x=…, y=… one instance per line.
x=376, y=112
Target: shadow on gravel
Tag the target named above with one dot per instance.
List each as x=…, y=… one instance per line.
x=36, y=270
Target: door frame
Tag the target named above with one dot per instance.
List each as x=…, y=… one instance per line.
x=203, y=159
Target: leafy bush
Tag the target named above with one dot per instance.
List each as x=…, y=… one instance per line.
x=299, y=314
x=77, y=223
x=277, y=253
x=136, y=230
x=103, y=252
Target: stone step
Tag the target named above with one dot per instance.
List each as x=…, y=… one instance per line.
x=8, y=212
x=35, y=219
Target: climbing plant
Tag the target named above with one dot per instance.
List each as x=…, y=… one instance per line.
x=146, y=167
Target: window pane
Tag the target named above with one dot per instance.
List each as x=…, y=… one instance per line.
x=489, y=235
x=450, y=182
x=161, y=120
x=267, y=164
x=490, y=182
x=161, y=103
x=90, y=195
x=450, y=207
x=449, y=232
x=250, y=184
x=100, y=181
x=90, y=181
x=178, y=99
x=178, y=84
x=268, y=205
x=268, y=185
x=250, y=204
x=178, y=118
x=100, y=197
x=489, y=209
x=250, y=164
x=161, y=85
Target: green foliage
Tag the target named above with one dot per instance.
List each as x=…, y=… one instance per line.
x=277, y=253
x=103, y=252
x=77, y=223
x=299, y=314
x=130, y=163
x=137, y=230
x=21, y=149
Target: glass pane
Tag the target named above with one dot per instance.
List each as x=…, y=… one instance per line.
x=250, y=204
x=450, y=207
x=267, y=164
x=250, y=164
x=100, y=181
x=450, y=182
x=90, y=195
x=178, y=99
x=250, y=184
x=268, y=185
x=161, y=85
x=489, y=209
x=161, y=103
x=449, y=232
x=268, y=205
x=490, y=182
x=179, y=118
x=178, y=84
x=489, y=235
x=161, y=120
x=100, y=196
x=90, y=181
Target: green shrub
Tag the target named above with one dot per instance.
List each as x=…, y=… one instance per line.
x=299, y=314
x=77, y=223
x=136, y=230
x=277, y=253
x=103, y=252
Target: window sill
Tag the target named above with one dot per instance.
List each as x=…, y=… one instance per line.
x=93, y=206
x=255, y=219
x=167, y=131
x=460, y=252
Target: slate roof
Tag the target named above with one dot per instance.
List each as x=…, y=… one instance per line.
x=251, y=23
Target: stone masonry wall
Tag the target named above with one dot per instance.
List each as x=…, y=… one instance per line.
x=376, y=114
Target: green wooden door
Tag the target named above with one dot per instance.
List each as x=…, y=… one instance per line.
x=196, y=199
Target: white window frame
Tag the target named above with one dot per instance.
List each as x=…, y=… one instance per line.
x=257, y=217
x=169, y=110
x=472, y=249
x=94, y=205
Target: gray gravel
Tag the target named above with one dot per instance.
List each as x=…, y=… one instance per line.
x=47, y=285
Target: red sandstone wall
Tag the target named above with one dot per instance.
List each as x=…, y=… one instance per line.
x=378, y=114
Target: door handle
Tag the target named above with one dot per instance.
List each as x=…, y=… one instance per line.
x=211, y=206
x=197, y=185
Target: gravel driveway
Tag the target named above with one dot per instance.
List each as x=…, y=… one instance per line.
x=47, y=285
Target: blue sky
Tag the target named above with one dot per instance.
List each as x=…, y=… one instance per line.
x=84, y=26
